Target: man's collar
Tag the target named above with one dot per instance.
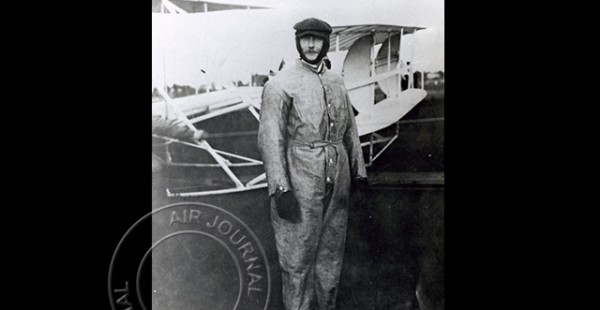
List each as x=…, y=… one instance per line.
x=317, y=68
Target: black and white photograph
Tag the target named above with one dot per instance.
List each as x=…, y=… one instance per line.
x=297, y=158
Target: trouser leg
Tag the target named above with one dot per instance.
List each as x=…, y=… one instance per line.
x=330, y=252
x=297, y=245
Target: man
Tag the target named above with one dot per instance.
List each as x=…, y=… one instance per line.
x=310, y=148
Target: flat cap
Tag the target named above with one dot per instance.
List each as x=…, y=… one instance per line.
x=313, y=26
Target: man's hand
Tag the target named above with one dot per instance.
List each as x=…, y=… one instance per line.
x=200, y=135
x=361, y=190
x=361, y=184
x=288, y=207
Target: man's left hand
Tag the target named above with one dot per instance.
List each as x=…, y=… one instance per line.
x=362, y=189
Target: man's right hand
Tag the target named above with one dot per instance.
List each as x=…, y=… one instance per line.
x=288, y=207
x=200, y=135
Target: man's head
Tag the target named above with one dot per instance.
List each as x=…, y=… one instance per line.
x=312, y=39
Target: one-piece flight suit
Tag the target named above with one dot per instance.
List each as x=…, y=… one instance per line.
x=309, y=144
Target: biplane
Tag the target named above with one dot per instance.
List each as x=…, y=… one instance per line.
x=380, y=83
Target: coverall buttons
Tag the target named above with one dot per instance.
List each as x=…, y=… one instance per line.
x=328, y=179
x=331, y=124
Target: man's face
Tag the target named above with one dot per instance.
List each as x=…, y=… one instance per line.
x=311, y=46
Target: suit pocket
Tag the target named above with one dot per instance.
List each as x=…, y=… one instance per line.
x=305, y=170
x=309, y=108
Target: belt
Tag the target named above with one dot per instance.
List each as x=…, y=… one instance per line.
x=316, y=144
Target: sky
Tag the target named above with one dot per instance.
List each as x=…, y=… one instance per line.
x=234, y=44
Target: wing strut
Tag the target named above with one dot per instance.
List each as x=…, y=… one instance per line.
x=220, y=160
